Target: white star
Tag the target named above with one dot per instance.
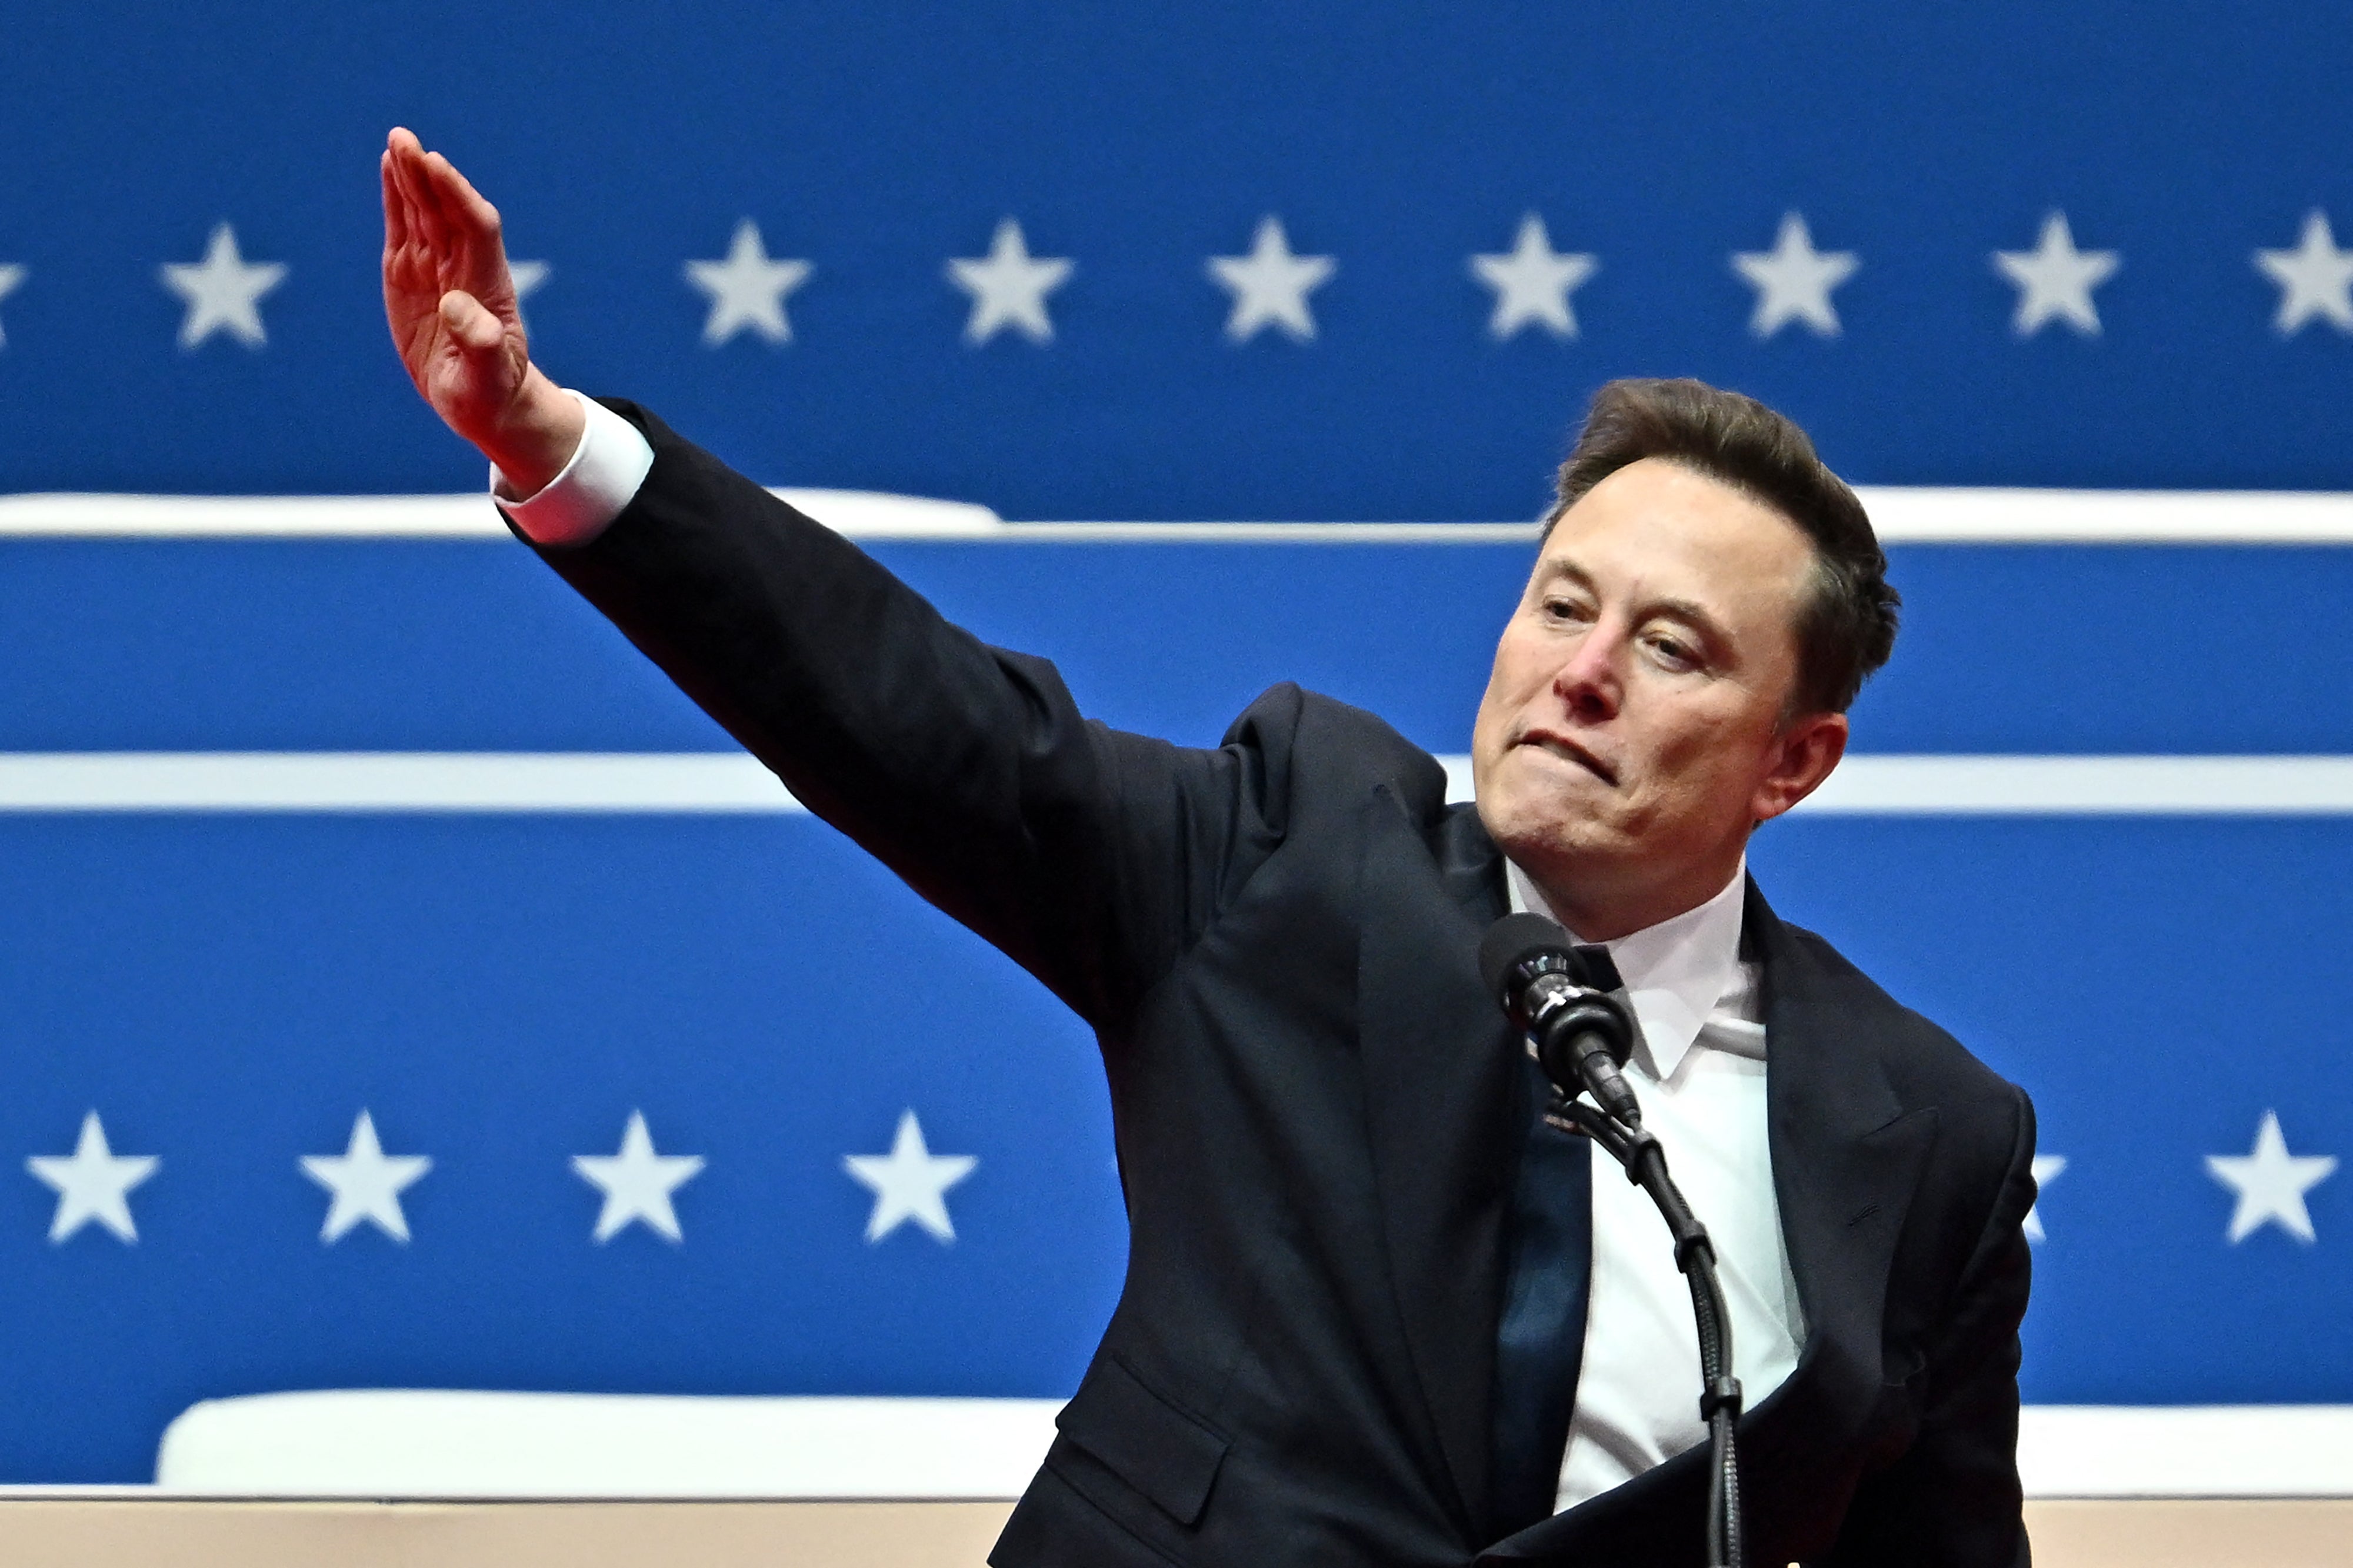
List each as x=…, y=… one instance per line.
x=1008, y=288
x=2315, y=279
x=527, y=277
x=92, y=1184
x=911, y=1182
x=1270, y=285
x=2271, y=1182
x=747, y=289
x=2054, y=278
x=223, y=291
x=366, y=1183
x=637, y=1181
x=1793, y=280
x=1533, y=283
x=10, y=277
x=2047, y=1168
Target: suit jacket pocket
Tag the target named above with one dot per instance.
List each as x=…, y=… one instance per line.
x=1165, y=1454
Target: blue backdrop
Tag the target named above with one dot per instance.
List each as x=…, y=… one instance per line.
x=877, y=141
x=501, y=992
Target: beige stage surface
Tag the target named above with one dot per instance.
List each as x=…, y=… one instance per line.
x=91, y=1531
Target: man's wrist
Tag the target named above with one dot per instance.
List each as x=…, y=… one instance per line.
x=538, y=437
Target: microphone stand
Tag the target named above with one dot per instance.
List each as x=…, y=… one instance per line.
x=1638, y=1150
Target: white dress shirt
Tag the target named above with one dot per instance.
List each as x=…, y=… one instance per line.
x=1698, y=1070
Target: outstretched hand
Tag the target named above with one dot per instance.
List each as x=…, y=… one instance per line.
x=450, y=303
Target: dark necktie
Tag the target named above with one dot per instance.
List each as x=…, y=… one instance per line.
x=1541, y=1343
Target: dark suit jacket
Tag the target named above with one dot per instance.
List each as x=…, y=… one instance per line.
x=1313, y=1098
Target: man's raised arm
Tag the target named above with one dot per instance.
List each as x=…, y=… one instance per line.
x=1090, y=856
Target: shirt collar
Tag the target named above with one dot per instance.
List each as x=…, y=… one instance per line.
x=1675, y=971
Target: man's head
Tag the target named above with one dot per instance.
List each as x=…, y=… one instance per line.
x=1706, y=602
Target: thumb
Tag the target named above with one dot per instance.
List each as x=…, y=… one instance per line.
x=476, y=331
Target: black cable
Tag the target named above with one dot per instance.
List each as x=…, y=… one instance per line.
x=1645, y=1163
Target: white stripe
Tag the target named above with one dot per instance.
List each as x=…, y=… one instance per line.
x=1969, y=516
x=395, y=1441
x=401, y=1442
x=2098, y=786
x=1886, y=785
x=1903, y=516
x=405, y=1443
x=859, y=513
x=2209, y=1450
x=388, y=782
x=702, y=782
x=249, y=517
x=1522, y=534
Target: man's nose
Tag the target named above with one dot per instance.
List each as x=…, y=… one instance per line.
x=1591, y=679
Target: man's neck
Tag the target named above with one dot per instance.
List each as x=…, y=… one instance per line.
x=1609, y=919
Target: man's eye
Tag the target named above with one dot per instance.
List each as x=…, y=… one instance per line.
x=1674, y=652
x=1563, y=609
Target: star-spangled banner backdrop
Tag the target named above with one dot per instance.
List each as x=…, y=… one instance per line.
x=599, y=1100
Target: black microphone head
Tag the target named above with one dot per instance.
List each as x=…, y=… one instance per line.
x=1515, y=949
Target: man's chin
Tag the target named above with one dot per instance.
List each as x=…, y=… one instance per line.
x=1541, y=828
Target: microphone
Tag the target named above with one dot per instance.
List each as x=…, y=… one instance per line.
x=1580, y=1033
x=1554, y=993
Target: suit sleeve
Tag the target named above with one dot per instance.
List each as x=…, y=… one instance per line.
x=1953, y=1499
x=1090, y=856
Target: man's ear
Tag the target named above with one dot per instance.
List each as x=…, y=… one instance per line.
x=1808, y=748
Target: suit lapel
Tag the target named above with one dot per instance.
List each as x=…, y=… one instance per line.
x=1438, y=1092
x=1846, y=1154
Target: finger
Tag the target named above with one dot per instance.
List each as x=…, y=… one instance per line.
x=404, y=151
x=463, y=197
x=396, y=170
x=464, y=209
x=477, y=237
x=433, y=178
x=422, y=189
x=395, y=207
x=424, y=217
x=417, y=219
x=476, y=331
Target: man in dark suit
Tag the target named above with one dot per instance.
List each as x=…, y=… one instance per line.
x=1374, y=1313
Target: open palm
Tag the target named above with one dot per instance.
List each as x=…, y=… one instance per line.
x=447, y=294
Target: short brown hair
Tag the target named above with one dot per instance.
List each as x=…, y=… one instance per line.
x=1847, y=628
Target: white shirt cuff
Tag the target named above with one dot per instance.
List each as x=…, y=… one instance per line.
x=602, y=478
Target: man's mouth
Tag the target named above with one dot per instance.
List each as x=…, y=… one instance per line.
x=1563, y=747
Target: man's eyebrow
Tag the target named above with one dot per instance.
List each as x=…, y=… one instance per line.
x=1691, y=612
x=1554, y=567
x=1696, y=615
